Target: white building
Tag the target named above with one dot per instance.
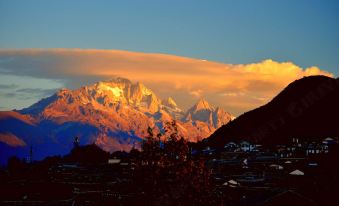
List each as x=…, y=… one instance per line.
x=297, y=172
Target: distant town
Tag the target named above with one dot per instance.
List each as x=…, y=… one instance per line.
x=178, y=172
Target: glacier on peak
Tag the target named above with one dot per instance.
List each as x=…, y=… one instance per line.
x=115, y=90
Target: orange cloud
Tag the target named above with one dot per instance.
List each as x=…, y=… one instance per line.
x=237, y=88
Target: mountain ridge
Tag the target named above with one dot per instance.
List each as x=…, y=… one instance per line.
x=307, y=108
x=113, y=114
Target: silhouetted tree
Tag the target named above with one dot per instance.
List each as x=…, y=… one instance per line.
x=167, y=175
x=16, y=166
x=151, y=151
x=134, y=154
x=88, y=154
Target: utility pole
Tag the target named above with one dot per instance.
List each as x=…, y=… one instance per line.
x=76, y=142
x=30, y=160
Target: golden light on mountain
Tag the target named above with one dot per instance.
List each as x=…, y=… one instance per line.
x=236, y=88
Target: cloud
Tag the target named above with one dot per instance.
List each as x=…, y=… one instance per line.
x=237, y=88
x=28, y=93
x=196, y=93
x=8, y=86
x=233, y=94
x=38, y=92
x=7, y=94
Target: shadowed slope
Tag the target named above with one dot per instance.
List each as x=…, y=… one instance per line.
x=307, y=108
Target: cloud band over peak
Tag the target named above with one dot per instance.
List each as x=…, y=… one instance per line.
x=237, y=88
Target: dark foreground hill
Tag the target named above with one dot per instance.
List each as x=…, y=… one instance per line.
x=307, y=108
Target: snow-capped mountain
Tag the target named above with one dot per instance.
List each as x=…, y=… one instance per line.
x=113, y=114
x=204, y=112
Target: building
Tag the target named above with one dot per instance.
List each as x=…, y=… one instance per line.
x=231, y=147
x=297, y=172
x=246, y=146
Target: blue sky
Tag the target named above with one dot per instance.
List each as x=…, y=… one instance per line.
x=304, y=32
x=231, y=31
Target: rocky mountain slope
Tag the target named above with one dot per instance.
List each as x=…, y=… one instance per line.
x=114, y=115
